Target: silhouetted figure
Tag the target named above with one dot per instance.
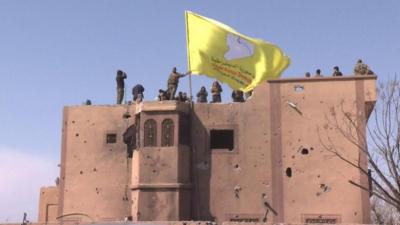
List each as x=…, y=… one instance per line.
x=336, y=72
x=130, y=139
x=180, y=97
x=308, y=74
x=120, y=85
x=88, y=102
x=216, y=90
x=184, y=97
x=173, y=82
x=362, y=69
x=237, y=96
x=162, y=95
x=24, y=220
x=318, y=73
x=202, y=95
x=137, y=92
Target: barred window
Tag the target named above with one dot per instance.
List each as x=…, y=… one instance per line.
x=150, y=133
x=167, y=133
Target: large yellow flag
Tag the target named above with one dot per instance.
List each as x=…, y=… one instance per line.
x=217, y=50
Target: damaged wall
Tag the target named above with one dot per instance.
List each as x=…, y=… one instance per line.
x=94, y=174
x=315, y=182
x=233, y=184
x=161, y=182
x=278, y=170
x=258, y=161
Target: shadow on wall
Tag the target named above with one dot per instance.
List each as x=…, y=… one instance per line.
x=201, y=170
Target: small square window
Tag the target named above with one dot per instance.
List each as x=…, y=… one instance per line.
x=111, y=138
x=221, y=139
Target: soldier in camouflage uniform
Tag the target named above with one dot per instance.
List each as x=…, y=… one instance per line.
x=202, y=95
x=362, y=69
x=216, y=90
x=137, y=92
x=129, y=137
x=162, y=95
x=173, y=81
x=336, y=72
x=237, y=96
x=120, y=85
x=185, y=97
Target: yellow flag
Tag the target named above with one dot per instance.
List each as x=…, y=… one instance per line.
x=218, y=51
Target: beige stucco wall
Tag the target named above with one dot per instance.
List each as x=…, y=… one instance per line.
x=247, y=167
x=319, y=182
x=94, y=174
x=269, y=137
x=48, y=204
x=248, y=183
x=161, y=179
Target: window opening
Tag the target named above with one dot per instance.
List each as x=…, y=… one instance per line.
x=111, y=138
x=150, y=133
x=221, y=139
x=167, y=133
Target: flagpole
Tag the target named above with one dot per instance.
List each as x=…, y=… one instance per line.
x=188, y=58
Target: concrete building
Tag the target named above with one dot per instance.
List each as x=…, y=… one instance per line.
x=269, y=159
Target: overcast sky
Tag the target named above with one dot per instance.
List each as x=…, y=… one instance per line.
x=57, y=53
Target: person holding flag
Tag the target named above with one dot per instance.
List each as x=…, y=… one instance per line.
x=173, y=82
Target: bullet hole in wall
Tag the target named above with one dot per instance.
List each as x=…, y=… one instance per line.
x=94, y=169
x=73, y=121
x=304, y=151
x=236, y=191
x=77, y=135
x=324, y=187
x=154, y=171
x=236, y=166
x=289, y=172
x=81, y=172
